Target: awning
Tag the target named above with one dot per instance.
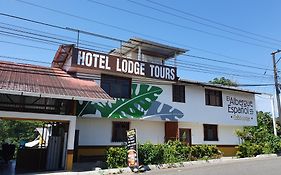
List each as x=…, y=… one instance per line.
x=39, y=81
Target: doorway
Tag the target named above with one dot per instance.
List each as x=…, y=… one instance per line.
x=54, y=146
x=185, y=136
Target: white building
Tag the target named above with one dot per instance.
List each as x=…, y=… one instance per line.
x=152, y=99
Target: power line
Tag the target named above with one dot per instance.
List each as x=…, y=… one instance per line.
x=48, y=71
x=120, y=28
x=49, y=37
x=27, y=38
x=35, y=38
x=201, y=23
x=67, y=29
x=179, y=25
x=219, y=72
x=193, y=56
x=25, y=45
x=225, y=62
x=201, y=70
x=211, y=21
x=216, y=68
x=199, y=64
x=89, y=33
x=90, y=49
x=54, y=50
x=23, y=59
x=63, y=36
x=255, y=84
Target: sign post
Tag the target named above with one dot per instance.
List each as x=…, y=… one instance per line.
x=132, y=147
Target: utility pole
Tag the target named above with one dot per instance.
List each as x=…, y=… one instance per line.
x=276, y=84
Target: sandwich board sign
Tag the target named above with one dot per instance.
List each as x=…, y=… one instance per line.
x=132, y=148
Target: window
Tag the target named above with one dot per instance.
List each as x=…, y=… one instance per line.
x=119, y=131
x=179, y=93
x=213, y=97
x=210, y=132
x=116, y=87
x=185, y=136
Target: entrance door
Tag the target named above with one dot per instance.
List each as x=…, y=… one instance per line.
x=171, y=131
x=185, y=135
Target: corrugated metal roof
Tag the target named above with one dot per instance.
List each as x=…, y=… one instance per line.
x=149, y=48
x=218, y=86
x=31, y=80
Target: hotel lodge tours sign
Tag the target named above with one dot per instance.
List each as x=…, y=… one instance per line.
x=95, y=60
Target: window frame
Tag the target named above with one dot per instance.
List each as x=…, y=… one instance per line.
x=213, y=97
x=214, y=128
x=114, y=137
x=188, y=139
x=113, y=80
x=178, y=93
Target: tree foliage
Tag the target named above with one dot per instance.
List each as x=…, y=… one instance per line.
x=223, y=81
x=259, y=139
x=13, y=131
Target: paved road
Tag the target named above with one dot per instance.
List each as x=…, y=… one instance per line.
x=265, y=166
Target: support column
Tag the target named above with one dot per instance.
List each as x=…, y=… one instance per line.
x=70, y=144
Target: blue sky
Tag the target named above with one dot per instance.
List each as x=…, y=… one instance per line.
x=258, y=17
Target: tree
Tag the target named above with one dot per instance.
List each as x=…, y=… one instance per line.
x=14, y=131
x=223, y=81
x=259, y=139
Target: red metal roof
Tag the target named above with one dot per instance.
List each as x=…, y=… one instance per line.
x=32, y=80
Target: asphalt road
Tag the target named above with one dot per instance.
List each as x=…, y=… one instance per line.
x=265, y=166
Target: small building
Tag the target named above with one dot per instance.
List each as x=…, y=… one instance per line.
x=30, y=92
x=91, y=99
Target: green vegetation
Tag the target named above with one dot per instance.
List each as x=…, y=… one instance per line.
x=223, y=81
x=259, y=139
x=116, y=157
x=170, y=152
x=13, y=131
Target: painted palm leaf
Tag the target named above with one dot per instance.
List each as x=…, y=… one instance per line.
x=164, y=111
x=142, y=98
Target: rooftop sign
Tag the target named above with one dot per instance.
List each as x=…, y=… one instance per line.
x=101, y=61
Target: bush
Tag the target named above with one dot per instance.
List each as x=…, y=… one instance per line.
x=204, y=152
x=175, y=151
x=150, y=153
x=170, y=152
x=259, y=139
x=248, y=149
x=116, y=157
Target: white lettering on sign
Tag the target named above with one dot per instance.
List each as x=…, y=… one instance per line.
x=123, y=65
x=162, y=72
x=129, y=66
x=93, y=60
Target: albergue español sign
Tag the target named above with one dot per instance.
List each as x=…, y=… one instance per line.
x=239, y=108
x=101, y=61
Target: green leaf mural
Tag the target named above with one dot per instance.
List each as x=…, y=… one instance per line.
x=141, y=100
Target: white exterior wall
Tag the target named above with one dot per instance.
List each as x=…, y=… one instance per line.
x=95, y=131
x=226, y=134
x=195, y=109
